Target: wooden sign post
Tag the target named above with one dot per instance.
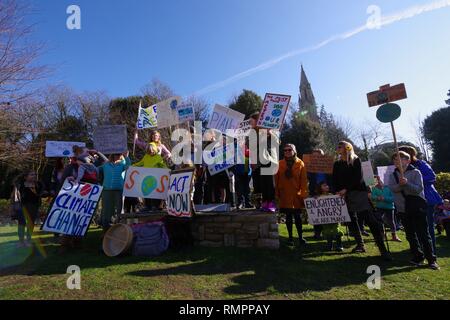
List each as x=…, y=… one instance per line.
x=389, y=112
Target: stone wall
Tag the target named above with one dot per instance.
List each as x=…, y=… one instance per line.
x=243, y=230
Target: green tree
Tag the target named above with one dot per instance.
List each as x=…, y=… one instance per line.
x=381, y=155
x=247, y=102
x=436, y=130
x=304, y=133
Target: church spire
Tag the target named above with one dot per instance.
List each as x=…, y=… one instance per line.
x=306, y=100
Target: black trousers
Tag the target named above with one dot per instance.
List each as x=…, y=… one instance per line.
x=242, y=188
x=375, y=223
x=417, y=234
x=263, y=184
x=296, y=214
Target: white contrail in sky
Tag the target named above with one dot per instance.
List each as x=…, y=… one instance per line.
x=385, y=20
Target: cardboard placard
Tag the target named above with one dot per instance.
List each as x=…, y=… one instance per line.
x=326, y=210
x=273, y=111
x=111, y=139
x=318, y=164
x=148, y=183
x=167, y=112
x=61, y=149
x=179, y=202
x=73, y=209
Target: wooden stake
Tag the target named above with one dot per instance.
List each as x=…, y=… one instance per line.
x=396, y=148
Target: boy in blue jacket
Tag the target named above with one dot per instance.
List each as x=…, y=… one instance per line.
x=113, y=180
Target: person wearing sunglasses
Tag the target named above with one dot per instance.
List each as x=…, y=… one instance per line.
x=349, y=183
x=291, y=188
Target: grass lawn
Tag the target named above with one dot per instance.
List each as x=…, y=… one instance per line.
x=224, y=273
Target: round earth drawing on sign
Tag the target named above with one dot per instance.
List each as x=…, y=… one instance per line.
x=149, y=184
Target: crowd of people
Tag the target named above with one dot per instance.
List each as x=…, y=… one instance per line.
x=408, y=199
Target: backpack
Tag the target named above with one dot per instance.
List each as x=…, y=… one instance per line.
x=150, y=239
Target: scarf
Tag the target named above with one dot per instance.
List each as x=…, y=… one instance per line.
x=289, y=165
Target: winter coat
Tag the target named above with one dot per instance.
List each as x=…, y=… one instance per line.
x=291, y=191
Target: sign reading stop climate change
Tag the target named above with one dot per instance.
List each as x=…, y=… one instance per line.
x=148, y=183
x=73, y=209
x=179, y=195
x=273, y=111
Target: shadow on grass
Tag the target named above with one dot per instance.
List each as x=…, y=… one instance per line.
x=252, y=272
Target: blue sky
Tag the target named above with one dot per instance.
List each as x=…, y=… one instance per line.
x=192, y=44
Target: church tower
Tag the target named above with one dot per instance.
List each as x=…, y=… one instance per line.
x=306, y=100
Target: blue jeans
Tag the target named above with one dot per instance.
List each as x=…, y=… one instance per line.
x=430, y=220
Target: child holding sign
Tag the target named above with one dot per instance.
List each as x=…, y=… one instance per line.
x=330, y=231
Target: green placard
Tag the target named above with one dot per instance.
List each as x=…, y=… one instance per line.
x=389, y=112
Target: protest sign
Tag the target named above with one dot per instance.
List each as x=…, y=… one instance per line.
x=223, y=119
x=368, y=175
x=326, y=210
x=219, y=159
x=316, y=163
x=185, y=112
x=148, y=183
x=167, y=112
x=242, y=131
x=385, y=172
x=73, y=209
x=147, y=117
x=179, y=194
x=57, y=149
x=273, y=111
x=111, y=139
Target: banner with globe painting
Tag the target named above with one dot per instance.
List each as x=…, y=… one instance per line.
x=148, y=183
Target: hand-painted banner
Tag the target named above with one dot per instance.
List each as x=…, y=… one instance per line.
x=111, y=139
x=315, y=163
x=368, y=176
x=148, y=183
x=326, y=210
x=57, y=149
x=223, y=119
x=273, y=111
x=185, y=113
x=167, y=112
x=147, y=117
x=384, y=172
x=179, y=195
x=73, y=209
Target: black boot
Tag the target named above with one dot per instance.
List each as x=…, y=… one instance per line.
x=329, y=245
x=339, y=247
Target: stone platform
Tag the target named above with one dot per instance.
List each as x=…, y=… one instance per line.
x=243, y=229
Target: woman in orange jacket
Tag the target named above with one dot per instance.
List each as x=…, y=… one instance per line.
x=291, y=188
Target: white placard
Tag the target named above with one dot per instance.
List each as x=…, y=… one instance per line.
x=223, y=119
x=179, y=195
x=326, y=210
x=60, y=149
x=273, y=111
x=73, y=208
x=185, y=112
x=385, y=172
x=147, y=117
x=148, y=183
x=368, y=176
